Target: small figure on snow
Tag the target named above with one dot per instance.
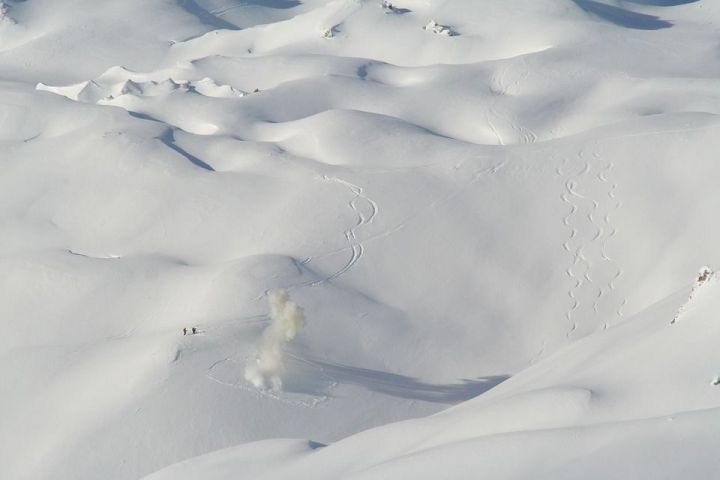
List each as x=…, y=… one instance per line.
x=194, y=330
x=184, y=331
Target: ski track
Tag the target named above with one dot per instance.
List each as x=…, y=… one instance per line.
x=579, y=260
x=500, y=87
x=617, y=204
x=367, y=215
x=234, y=356
x=294, y=399
x=354, y=246
x=476, y=177
x=589, y=221
x=491, y=111
x=540, y=353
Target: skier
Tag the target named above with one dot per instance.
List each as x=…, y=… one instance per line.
x=184, y=331
x=194, y=330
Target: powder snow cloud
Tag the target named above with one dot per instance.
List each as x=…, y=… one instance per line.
x=287, y=318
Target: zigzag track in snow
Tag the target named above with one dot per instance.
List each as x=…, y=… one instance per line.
x=476, y=177
x=354, y=245
x=589, y=221
x=501, y=87
x=617, y=204
x=579, y=260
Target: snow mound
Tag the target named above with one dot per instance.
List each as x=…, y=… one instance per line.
x=209, y=88
x=108, y=87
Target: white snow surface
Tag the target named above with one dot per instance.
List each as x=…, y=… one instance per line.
x=489, y=216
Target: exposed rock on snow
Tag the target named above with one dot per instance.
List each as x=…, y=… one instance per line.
x=438, y=29
x=392, y=8
x=331, y=32
x=705, y=275
x=5, y=13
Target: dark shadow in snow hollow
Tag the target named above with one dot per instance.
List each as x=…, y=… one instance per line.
x=278, y=4
x=312, y=377
x=168, y=139
x=662, y=3
x=621, y=17
x=192, y=7
x=399, y=11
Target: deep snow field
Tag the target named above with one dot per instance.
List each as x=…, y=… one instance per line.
x=488, y=217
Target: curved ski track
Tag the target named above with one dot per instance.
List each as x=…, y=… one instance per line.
x=590, y=223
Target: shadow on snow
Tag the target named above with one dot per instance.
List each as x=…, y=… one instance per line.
x=316, y=380
x=192, y=7
x=626, y=18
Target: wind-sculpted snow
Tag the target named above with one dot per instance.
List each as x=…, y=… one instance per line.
x=118, y=81
x=466, y=198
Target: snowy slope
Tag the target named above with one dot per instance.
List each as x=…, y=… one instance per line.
x=449, y=210
x=625, y=403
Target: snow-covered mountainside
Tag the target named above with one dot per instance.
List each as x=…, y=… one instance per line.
x=625, y=403
x=475, y=225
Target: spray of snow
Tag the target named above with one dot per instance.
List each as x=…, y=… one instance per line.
x=287, y=318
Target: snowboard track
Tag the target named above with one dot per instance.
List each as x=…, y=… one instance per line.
x=589, y=221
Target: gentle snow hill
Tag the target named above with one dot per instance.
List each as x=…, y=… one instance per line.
x=624, y=403
x=450, y=211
